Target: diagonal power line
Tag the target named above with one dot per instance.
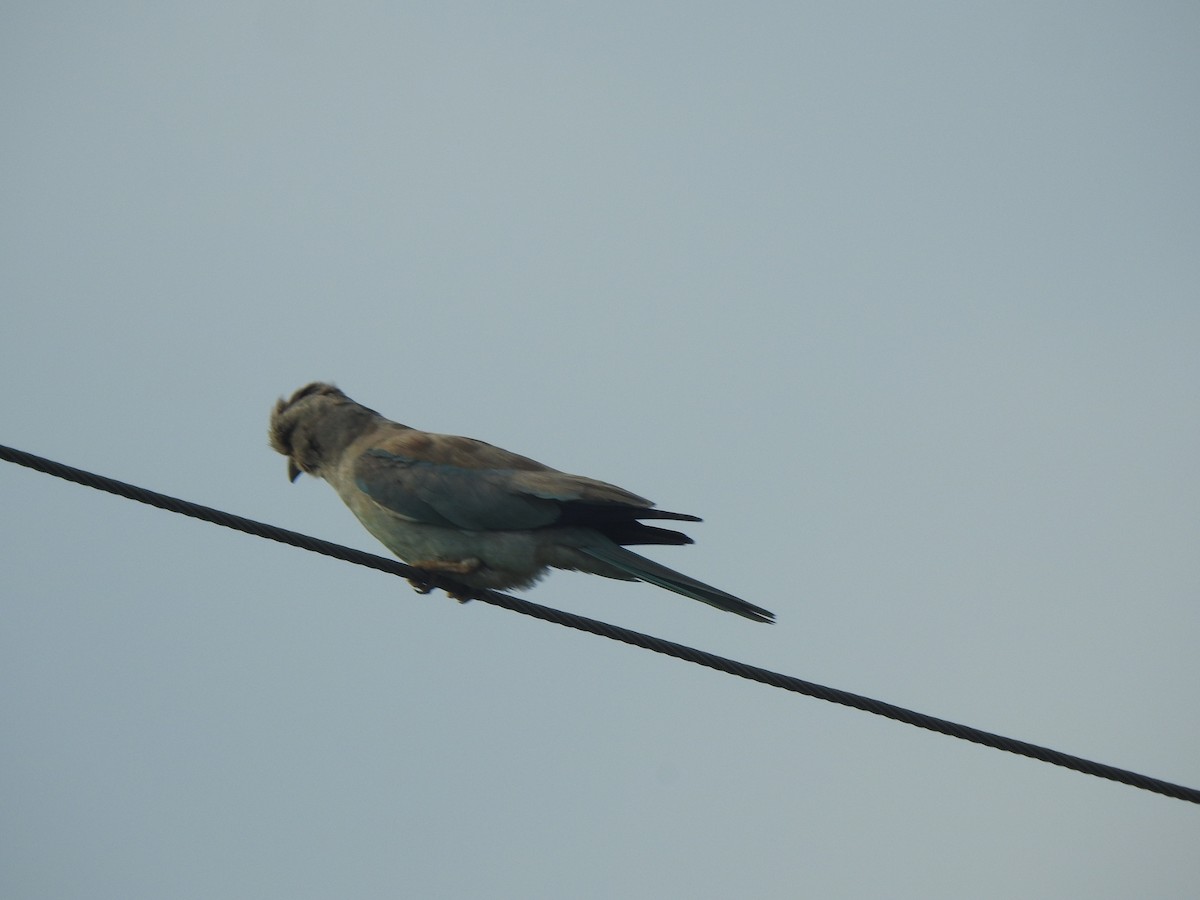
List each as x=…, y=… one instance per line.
x=593, y=626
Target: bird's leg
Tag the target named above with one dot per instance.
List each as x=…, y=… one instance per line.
x=449, y=566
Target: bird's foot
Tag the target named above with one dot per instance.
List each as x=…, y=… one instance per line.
x=447, y=567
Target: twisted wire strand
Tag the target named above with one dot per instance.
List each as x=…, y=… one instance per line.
x=603, y=629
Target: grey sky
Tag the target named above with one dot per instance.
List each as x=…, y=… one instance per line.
x=901, y=298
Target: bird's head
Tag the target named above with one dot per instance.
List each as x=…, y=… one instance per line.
x=313, y=426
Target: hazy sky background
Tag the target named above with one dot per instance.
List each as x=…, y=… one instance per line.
x=902, y=298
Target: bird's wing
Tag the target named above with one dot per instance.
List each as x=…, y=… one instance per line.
x=461, y=483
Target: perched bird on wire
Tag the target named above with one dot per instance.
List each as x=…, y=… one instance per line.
x=479, y=515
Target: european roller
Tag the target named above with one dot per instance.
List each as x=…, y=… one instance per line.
x=480, y=515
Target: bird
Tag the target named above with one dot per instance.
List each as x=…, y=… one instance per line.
x=482, y=516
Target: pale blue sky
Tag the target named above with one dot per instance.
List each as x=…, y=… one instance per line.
x=901, y=298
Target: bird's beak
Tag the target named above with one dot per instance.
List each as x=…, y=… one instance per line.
x=293, y=470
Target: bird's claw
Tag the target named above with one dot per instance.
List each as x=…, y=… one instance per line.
x=449, y=567
x=420, y=586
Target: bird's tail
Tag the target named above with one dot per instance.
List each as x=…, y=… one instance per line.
x=654, y=573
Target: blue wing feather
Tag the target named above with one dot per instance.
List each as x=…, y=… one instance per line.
x=450, y=496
